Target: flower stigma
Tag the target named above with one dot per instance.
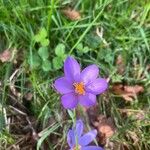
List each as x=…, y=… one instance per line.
x=79, y=88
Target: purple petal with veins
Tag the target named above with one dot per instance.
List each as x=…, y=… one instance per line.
x=98, y=86
x=87, y=138
x=79, y=128
x=71, y=69
x=89, y=74
x=69, y=101
x=63, y=86
x=87, y=99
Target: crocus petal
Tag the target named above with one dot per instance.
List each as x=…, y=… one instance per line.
x=63, y=86
x=98, y=86
x=92, y=148
x=71, y=138
x=71, y=69
x=87, y=138
x=79, y=128
x=89, y=74
x=69, y=101
x=87, y=99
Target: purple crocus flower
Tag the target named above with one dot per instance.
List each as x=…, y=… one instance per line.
x=79, y=87
x=77, y=141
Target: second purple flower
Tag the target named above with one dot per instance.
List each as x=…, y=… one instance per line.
x=79, y=87
x=79, y=141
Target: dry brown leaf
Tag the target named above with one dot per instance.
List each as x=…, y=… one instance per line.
x=5, y=56
x=106, y=130
x=134, y=89
x=120, y=65
x=127, y=92
x=105, y=126
x=72, y=14
x=137, y=114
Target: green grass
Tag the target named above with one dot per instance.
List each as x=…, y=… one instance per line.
x=126, y=30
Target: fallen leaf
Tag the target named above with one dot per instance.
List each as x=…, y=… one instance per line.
x=71, y=14
x=5, y=56
x=120, y=65
x=106, y=130
x=127, y=92
x=105, y=126
x=137, y=114
x=134, y=89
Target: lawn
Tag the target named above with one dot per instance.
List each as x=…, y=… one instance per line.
x=37, y=37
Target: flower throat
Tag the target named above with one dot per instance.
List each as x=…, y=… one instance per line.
x=79, y=88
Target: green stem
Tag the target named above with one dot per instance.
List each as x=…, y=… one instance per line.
x=74, y=118
x=74, y=124
x=50, y=16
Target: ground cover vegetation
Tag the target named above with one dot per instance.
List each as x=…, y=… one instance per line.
x=36, y=37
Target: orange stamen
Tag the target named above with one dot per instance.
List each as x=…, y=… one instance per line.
x=79, y=88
